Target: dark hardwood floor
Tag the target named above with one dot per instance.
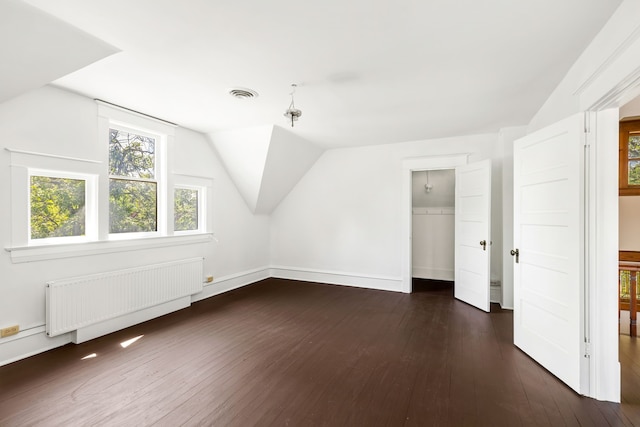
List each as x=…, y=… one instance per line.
x=287, y=353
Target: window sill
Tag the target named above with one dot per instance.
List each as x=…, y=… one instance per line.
x=71, y=250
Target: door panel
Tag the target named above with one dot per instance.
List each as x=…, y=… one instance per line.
x=548, y=223
x=473, y=225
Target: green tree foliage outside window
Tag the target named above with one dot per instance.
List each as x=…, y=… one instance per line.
x=132, y=206
x=133, y=190
x=634, y=159
x=185, y=209
x=57, y=207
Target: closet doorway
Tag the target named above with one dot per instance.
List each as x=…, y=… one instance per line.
x=433, y=225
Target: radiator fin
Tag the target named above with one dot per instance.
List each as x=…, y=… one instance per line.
x=82, y=301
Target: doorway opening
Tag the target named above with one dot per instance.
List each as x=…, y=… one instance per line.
x=471, y=222
x=629, y=249
x=412, y=169
x=432, y=227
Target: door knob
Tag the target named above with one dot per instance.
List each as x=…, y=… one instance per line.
x=483, y=243
x=516, y=253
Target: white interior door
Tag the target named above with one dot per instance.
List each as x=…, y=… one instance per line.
x=473, y=233
x=548, y=221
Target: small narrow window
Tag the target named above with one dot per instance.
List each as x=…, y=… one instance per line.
x=629, y=178
x=57, y=207
x=187, y=209
x=133, y=183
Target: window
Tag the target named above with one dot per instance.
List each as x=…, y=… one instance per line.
x=60, y=207
x=113, y=199
x=133, y=181
x=629, y=178
x=187, y=209
x=57, y=207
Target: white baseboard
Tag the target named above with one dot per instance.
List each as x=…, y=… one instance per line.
x=338, y=278
x=29, y=343
x=433, y=273
x=231, y=282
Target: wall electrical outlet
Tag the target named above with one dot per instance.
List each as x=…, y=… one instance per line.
x=209, y=279
x=11, y=330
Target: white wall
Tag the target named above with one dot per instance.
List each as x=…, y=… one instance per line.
x=344, y=216
x=609, y=62
x=442, y=193
x=630, y=109
x=432, y=243
x=629, y=226
x=54, y=121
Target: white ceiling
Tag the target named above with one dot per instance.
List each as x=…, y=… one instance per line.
x=368, y=72
x=36, y=48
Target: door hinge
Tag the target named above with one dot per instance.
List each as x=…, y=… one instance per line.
x=587, y=129
x=587, y=122
x=587, y=350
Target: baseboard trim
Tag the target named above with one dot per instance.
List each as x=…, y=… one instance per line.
x=382, y=283
x=29, y=343
x=231, y=282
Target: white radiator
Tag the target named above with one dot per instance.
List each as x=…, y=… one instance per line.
x=78, y=302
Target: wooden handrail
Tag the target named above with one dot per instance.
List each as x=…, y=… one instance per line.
x=629, y=256
x=624, y=266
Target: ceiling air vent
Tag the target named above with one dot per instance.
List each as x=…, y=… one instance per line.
x=243, y=93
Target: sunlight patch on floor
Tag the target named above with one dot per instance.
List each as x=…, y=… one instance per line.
x=127, y=343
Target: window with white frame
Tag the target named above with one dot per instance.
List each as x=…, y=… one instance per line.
x=188, y=209
x=123, y=194
x=61, y=207
x=135, y=185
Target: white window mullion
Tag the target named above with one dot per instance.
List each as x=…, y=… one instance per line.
x=103, y=181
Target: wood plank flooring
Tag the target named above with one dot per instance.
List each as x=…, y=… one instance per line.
x=287, y=353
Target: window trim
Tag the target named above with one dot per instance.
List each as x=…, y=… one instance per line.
x=96, y=167
x=159, y=179
x=201, y=209
x=205, y=185
x=625, y=128
x=90, y=205
x=25, y=162
x=21, y=254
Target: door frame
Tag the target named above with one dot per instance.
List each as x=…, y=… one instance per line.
x=613, y=84
x=409, y=166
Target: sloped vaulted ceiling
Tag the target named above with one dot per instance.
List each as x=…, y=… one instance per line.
x=265, y=163
x=36, y=48
x=367, y=72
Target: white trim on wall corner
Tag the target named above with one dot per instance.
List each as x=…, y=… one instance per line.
x=619, y=51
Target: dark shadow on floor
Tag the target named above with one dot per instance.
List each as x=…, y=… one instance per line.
x=443, y=287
